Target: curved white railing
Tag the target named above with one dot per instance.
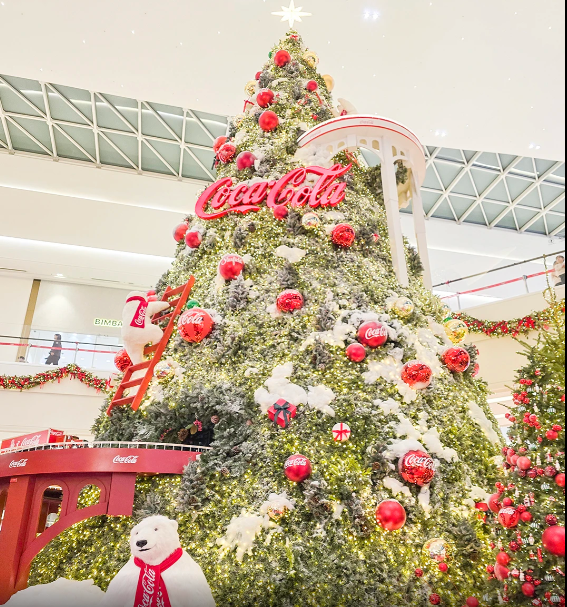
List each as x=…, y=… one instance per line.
x=107, y=445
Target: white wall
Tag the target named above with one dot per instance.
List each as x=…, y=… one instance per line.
x=69, y=405
x=70, y=308
x=14, y=298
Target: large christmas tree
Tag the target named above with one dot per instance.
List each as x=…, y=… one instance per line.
x=529, y=507
x=307, y=358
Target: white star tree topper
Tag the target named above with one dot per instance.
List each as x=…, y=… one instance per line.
x=292, y=13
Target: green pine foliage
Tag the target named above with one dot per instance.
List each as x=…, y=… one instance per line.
x=539, y=490
x=328, y=550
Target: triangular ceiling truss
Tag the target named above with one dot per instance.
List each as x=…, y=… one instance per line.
x=74, y=125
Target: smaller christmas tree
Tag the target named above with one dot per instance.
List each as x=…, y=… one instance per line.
x=529, y=507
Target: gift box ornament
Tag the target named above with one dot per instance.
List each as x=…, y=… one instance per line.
x=282, y=412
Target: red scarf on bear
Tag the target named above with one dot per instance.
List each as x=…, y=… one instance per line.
x=151, y=590
x=139, y=320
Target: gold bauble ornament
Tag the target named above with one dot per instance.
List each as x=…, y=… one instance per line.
x=311, y=221
x=438, y=549
x=457, y=330
x=250, y=88
x=311, y=59
x=329, y=82
x=403, y=307
x=276, y=514
x=164, y=370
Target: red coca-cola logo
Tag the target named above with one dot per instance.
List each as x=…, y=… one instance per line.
x=295, y=461
x=222, y=198
x=417, y=468
x=130, y=459
x=417, y=460
x=18, y=464
x=373, y=334
x=32, y=441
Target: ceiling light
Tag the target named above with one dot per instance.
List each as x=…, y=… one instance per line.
x=59, y=276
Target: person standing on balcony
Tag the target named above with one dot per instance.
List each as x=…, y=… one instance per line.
x=55, y=352
x=559, y=271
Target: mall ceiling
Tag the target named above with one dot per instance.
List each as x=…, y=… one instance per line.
x=479, y=75
x=68, y=124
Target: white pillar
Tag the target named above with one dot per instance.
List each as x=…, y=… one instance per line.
x=391, y=201
x=420, y=231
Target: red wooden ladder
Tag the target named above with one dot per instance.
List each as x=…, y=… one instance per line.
x=177, y=298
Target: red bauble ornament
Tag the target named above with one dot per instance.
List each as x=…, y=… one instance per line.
x=529, y=589
x=526, y=517
x=514, y=546
x=356, y=353
x=550, y=471
x=373, y=334
x=180, y=231
x=524, y=463
x=245, y=161
x=417, y=468
x=494, y=503
x=560, y=480
x=258, y=75
x=443, y=567
x=472, y=602
x=501, y=573
x=417, y=375
x=298, y=468
x=193, y=239
x=509, y=517
x=194, y=325
x=419, y=573
x=290, y=300
x=507, y=502
x=226, y=153
x=503, y=559
x=265, y=98
x=435, y=599
x=343, y=235
x=282, y=58
x=390, y=515
x=281, y=212
x=219, y=142
x=231, y=266
x=122, y=360
x=553, y=540
x=312, y=86
x=551, y=520
x=476, y=370
x=552, y=435
x=269, y=121
x=457, y=360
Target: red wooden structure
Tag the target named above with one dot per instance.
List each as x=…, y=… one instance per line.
x=26, y=474
x=177, y=298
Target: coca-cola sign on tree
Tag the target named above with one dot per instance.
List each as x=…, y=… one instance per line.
x=291, y=189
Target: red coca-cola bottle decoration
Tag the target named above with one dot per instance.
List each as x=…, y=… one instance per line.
x=417, y=468
x=373, y=334
x=194, y=325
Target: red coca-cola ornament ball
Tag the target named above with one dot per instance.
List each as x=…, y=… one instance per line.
x=282, y=58
x=343, y=235
x=231, y=266
x=245, y=161
x=356, y=353
x=193, y=239
x=226, y=153
x=269, y=121
x=457, y=360
x=391, y=515
x=417, y=375
x=509, y=517
x=265, y=98
x=298, y=468
x=373, y=334
x=180, y=231
x=195, y=325
x=417, y=468
x=122, y=360
x=553, y=540
x=290, y=300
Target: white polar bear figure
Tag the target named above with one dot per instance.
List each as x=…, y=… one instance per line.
x=157, y=553
x=137, y=327
x=63, y=593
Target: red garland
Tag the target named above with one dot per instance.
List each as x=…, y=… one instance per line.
x=27, y=382
x=536, y=321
